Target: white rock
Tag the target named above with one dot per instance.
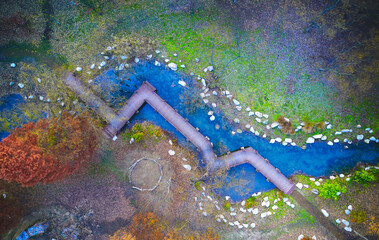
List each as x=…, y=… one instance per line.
x=156, y=63
x=310, y=140
x=332, y=177
x=367, y=141
x=345, y=222
x=359, y=137
x=278, y=139
x=231, y=224
x=350, y=207
x=299, y=185
x=39, y=80
x=41, y=98
x=157, y=51
x=359, y=126
x=203, y=82
x=274, y=207
x=330, y=143
x=372, y=139
x=243, y=210
x=272, y=140
x=251, y=113
x=348, y=229
x=338, y=221
x=317, y=183
x=212, y=118
x=300, y=237
x=258, y=120
x=263, y=215
x=183, y=83
x=233, y=214
x=210, y=68
x=13, y=65
x=289, y=140
x=167, y=60
x=252, y=225
x=252, y=130
x=255, y=211
x=336, y=140
x=227, y=198
x=205, y=101
x=342, y=175
x=258, y=114
x=274, y=124
x=214, y=105
x=323, y=138
x=31, y=97
x=188, y=167
x=173, y=66
x=114, y=138
x=205, y=214
x=245, y=225
x=214, y=93
x=239, y=108
x=236, y=102
x=326, y=214
x=171, y=152
x=20, y=85
x=236, y=120
x=265, y=115
x=102, y=64
x=347, y=211
x=329, y=126
x=318, y=136
x=312, y=179
x=338, y=133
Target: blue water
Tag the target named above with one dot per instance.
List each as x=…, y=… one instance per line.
x=240, y=182
x=8, y=104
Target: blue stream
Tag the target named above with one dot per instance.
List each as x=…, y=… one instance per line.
x=317, y=160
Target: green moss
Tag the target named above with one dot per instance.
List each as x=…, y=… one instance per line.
x=358, y=216
x=197, y=185
x=227, y=206
x=251, y=201
x=330, y=190
x=364, y=177
x=304, y=216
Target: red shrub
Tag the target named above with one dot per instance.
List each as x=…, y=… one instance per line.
x=46, y=151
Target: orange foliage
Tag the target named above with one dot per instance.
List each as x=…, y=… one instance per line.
x=46, y=151
x=148, y=226
x=286, y=125
x=122, y=234
x=374, y=226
